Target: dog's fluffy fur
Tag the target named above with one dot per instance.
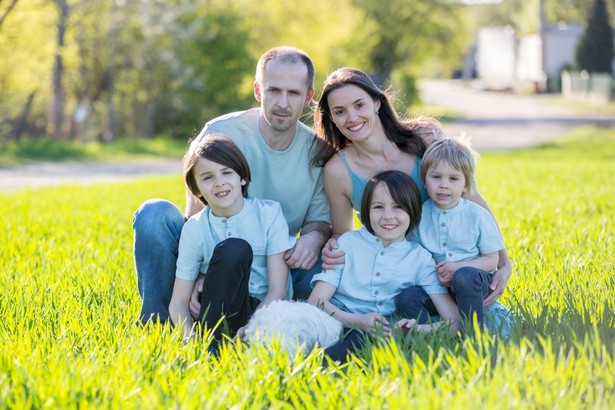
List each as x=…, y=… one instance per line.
x=297, y=326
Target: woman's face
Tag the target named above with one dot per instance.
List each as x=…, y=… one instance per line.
x=353, y=111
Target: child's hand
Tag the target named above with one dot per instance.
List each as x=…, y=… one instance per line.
x=195, y=298
x=446, y=270
x=404, y=325
x=372, y=322
x=241, y=333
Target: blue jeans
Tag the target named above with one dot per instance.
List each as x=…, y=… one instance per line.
x=157, y=225
x=469, y=289
x=352, y=341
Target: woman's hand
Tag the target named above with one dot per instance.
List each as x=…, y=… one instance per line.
x=331, y=256
x=498, y=284
x=404, y=325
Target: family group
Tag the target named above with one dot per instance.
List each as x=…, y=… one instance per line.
x=271, y=205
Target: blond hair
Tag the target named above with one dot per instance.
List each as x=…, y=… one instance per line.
x=457, y=151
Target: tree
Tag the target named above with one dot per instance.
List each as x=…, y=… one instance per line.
x=6, y=12
x=595, y=49
x=59, y=96
x=399, y=37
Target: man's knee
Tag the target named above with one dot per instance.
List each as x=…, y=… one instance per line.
x=156, y=213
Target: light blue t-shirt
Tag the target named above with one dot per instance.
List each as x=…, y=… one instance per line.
x=285, y=176
x=373, y=275
x=459, y=234
x=260, y=222
x=359, y=183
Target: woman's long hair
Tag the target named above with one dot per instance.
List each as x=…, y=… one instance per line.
x=397, y=130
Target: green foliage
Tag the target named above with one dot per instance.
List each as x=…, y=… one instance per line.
x=402, y=37
x=147, y=67
x=595, y=49
x=524, y=16
x=570, y=11
x=69, y=301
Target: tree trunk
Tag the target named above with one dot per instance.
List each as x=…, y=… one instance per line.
x=7, y=11
x=57, y=110
x=20, y=124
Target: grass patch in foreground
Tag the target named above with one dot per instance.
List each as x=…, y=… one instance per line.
x=69, y=301
x=13, y=153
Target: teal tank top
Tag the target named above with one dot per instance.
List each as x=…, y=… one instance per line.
x=359, y=183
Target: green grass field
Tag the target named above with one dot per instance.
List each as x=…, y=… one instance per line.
x=68, y=304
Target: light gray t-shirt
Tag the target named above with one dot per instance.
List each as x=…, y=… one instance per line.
x=283, y=176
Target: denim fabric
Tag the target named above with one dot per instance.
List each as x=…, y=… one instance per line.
x=352, y=341
x=157, y=225
x=469, y=289
x=499, y=320
x=414, y=303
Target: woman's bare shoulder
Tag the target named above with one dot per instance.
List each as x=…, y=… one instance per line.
x=335, y=166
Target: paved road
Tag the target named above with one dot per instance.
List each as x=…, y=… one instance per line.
x=50, y=173
x=498, y=121
x=494, y=121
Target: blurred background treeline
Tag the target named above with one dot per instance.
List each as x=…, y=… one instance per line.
x=109, y=69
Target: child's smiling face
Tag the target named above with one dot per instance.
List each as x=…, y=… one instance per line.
x=221, y=187
x=389, y=221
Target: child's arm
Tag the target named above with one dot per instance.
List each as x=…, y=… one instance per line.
x=277, y=275
x=321, y=296
x=446, y=269
x=179, y=306
x=447, y=309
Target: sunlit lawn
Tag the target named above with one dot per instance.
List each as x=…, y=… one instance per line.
x=68, y=303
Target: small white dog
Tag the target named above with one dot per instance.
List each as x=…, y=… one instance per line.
x=297, y=325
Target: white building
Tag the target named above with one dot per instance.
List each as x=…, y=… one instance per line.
x=502, y=62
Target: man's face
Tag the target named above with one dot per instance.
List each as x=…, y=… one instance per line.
x=283, y=94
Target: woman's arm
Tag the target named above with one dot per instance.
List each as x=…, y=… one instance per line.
x=338, y=189
x=277, y=275
x=500, y=278
x=504, y=272
x=179, y=306
x=342, y=216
